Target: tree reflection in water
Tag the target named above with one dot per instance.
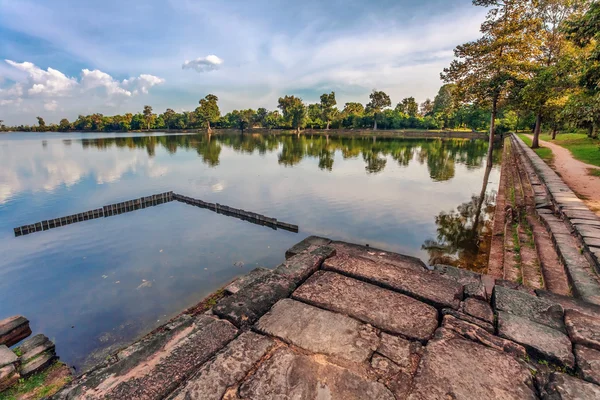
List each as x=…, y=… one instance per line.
x=464, y=235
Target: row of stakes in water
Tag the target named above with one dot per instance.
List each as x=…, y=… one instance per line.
x=106, y=211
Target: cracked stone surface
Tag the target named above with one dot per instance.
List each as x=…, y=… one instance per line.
x=565, y=387
x=13, y=330
x=583, y=329
x=478, y=309
x=588, y=363
x=246, y=280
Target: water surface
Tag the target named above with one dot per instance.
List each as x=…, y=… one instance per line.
x=98, y=284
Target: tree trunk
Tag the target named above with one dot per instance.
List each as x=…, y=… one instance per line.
x=328, y=122
x=208, y=126
x=492, y=132
x=554, y=133
x=535, y=144
x=590, y=130
x=375, y=123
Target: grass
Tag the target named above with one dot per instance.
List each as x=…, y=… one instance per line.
x=580, y=145
x=35, y=386
x=543, y=152
x=593, y=172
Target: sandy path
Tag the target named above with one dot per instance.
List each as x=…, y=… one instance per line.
x=575, y=174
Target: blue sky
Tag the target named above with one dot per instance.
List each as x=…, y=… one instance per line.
x=62, y=58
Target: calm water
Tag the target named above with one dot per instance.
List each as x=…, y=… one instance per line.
x=95, y=285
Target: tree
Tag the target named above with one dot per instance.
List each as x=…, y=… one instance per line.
x=261, y=116
x=427, y=108
x=328, y=109
x=408, y=106
x=208, y=111
x=148, y=116
x=272, y=120
x=314, y=113
x=41, y=123
x=379, y=101
x=169, y=117
x=486, y=69
x=64, y=125
x=294, y=111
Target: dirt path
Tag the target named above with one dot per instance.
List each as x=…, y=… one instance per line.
x=575, y=174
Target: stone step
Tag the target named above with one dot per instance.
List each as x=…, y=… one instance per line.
x=426, y=286
x=37, y=353
x=377, y=255
x=246, y=280
x=565, y=387
x=385, y=309
x=13, y=330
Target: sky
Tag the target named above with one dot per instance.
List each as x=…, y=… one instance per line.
x=62, y=58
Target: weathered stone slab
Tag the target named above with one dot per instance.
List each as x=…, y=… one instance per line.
x=578, y=214
x=459, y=369
x=588, y=363
x=385, y=309
x=531, y=307
x=570, y=303
x=478, y=309
x=565, y=387
x=540, y=340
x=38, y=353
x=385, y=367
x=377, y=255
x=586, y=222
x=476, y=291
x=588, y=232
x=287, y=375
x=13, y=330
x=475, y=321
x=403, y=352
x=7, y=356
x=423, y=285
x=40, y=363
x=227, y=369
x=463, y=276
x=477, y=334
x=249, y=304
x=514, y=286
x=301, y=266
x=319, y=331
x=153, y=367
x=583, y=329
x=310, y=243
x=8, y=377
x=246, y=280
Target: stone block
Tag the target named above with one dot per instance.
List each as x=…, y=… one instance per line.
x=540, y=340
x=377, y=255
x=229, y=367
x=299, y=267
x=249, y=304
x=156, y=365
x=480, y=335
x=288, y=375
x=7, y=356
x=8, y=377
x=583, y=329
x=13, y=330
x=247, y=279
x=588, y=363
x=531, y=307
x=565, y=387
x=404, y=353
x=478, y=309
x=476, y=290
x=457, y=368
x=319, y=331
x=310, y=243
x=382, y=308
x=463, y=276
x=37, y=364
x=570, y=303
x=472, y=320
x=37, y=353
x=423, y=285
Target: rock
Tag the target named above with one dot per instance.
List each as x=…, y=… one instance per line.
x=310, y=243
x=540, y=340
x=379, y=256
x=8, y=377
x=462, y=276
x=476, y=291
x=475, y=321
x=247, y=279
x=37, y=353
x=423, y=285
x=153, y=367
x=489, y=282
x=385, y=367
x=299, y=267
x=531, y=307
x=477, y=334
x=7, y=357
x=227, y=369
x=478, y=309
x=287, y=375
x=583, y=329
x=319, y=331
x=382, y=308
x=565, y=387
x=459, y=369
x=514, y=286
x=13, y=330
x=588, y=363
x=401, y=351
x=570, y=303
x=249, y=304
x=37, y=364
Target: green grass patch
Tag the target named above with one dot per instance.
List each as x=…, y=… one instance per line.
x=35, y=383
x=543, y=152
x=580, y=145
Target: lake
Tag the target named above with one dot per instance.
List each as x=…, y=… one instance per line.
x=95, y=285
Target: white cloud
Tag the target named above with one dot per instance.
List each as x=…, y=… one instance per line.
x=203, y=64
x=97, y=79
x=51, y=105
x=50, y=82
x=143, y=83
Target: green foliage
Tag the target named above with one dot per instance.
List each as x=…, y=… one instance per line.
x=208, y=112
x=294, y=111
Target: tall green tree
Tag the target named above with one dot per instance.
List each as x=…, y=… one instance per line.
x=294, y=111
x=408, y=106
x=208, y=111
x=379, y=101
x=486, y=69
x=64, y=125
x=41, y=123
x=328, y=109
x=148, y=116
x=427, y=108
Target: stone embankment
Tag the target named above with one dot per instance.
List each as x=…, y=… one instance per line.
x=341, y=321
x=543, y=235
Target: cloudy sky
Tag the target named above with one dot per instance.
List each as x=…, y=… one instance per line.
x=62, y=58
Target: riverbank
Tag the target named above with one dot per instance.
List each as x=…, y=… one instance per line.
x=356, y=322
